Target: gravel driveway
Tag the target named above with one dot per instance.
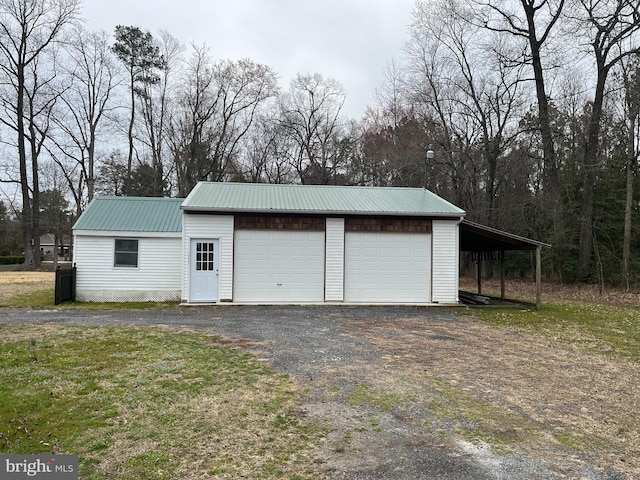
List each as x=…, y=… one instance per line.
x=320, y=348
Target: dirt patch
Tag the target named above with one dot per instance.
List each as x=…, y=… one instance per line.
x=510, y=390
x=20, y=283
x=526, y=290
x=22, y=333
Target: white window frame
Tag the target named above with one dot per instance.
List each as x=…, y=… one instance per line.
x=126, y=252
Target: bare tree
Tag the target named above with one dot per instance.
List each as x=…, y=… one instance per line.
x=266, y=152
x=155, y=100
x=93, y=76
x=218, y=107
x=462, y=82
x=28, y=31
x=187, y=128
x=533, y=22
x=392, y=97
x=612, y=28
x=630, y=73
x=392, y=141
x=310, y=113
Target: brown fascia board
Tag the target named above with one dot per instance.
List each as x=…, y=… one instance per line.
x=332, y=213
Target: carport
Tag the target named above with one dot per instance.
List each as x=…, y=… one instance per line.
x=489, y=244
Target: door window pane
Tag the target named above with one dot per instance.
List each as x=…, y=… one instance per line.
x=205, y=256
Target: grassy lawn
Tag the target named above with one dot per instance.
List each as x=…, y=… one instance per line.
x=148, y=404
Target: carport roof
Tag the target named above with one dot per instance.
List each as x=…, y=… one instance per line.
x=317, y=199
x=480, y=238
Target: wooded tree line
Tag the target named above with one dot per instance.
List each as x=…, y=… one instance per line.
x=531, y=108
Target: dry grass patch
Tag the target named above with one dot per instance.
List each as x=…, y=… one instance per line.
x=45, y=278
x=19, y=283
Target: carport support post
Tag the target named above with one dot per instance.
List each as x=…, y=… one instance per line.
x=479, y=272
x=502, y=289
x=538, y=277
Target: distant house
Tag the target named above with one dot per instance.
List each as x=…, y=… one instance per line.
x=264, y=243
x=48, y=245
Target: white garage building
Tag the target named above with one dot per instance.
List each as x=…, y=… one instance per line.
x=269, y=244
x=264, y=243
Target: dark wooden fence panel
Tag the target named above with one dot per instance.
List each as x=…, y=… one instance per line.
x=65, y=285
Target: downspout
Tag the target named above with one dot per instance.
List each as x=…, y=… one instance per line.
x=73, y=249
x=460, y=220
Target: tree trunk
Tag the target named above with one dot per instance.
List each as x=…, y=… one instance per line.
x=35, y=214
x=35, y=190
x=56, y=249
x=27, y=208
x=131, y=124
x=492, y=152
x=550, y=173
x=628, y=207
x=589, y=178
x=91, y=180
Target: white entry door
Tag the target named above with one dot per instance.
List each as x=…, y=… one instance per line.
x=204, y=271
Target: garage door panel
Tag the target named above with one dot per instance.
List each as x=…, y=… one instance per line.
x=279, y=250
x=387, y=267
x=279, y=266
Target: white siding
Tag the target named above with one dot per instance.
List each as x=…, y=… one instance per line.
x=156, y=278
x=334, y=260
x=445, y=261
x=209, y=227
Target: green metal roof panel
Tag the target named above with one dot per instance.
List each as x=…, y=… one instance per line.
x=318, y=199
x=132, y=214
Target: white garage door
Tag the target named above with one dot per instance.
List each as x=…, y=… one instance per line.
x=278, y=266
x=385, y=267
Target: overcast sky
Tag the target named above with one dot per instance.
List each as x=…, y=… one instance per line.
x=348, y=40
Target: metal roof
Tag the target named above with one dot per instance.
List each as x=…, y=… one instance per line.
x=480, y=238
x=132, y=214
x=317, y=199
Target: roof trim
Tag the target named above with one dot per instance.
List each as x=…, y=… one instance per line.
x=127, y=233
x=323, y=213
